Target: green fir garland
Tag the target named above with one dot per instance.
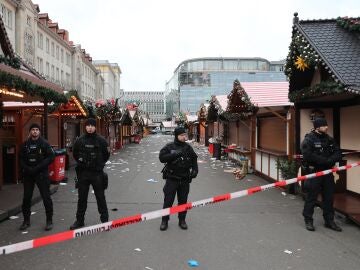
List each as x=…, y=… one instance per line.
x=299, y=47
x=351, y=24
x=12, y=62
x=14, y=82
x=321, y=89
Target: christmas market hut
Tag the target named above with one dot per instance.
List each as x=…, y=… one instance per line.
x=25, y=97
x=108, y=115
x=258, y=125
x=191, y=124
x=202, y=126
x=71, y=116
x=323, y=67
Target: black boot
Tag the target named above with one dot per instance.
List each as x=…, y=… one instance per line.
x=25, y=225
x=49, y=225
x=309, y=225
x=77, y=225
x=183, y=225
x=333, y=226
x=164, y=225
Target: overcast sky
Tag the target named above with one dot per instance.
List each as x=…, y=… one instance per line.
x=150, y=38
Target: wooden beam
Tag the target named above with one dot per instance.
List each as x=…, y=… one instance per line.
x=277, y=114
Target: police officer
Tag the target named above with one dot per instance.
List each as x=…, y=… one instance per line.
x=320, y=152
x=35, y=156
x=181, y=167
x=91, y=153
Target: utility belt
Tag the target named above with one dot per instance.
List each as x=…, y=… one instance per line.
x=80, y=171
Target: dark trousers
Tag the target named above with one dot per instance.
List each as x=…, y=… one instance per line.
x=87, y=178
x=43, y=185
x=172, y=188
x=314, y=186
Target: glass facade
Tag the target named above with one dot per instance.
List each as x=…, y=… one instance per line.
x=194, y=81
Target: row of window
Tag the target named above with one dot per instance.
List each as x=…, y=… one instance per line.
x=50, y=48
x=224, y=64
x=56, y=74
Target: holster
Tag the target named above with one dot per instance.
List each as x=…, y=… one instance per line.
x=77, y=176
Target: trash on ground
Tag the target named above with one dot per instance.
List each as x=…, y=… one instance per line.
x=193, y=263
x=152, y=180
x=137, y=249
x=287, y=251
x=13, y=217
x=148, y=268
x=283, y=193
x=33, y=213
x=25, y=232
x=63, y=184
x=108, y=162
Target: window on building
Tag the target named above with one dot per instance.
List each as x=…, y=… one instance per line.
x=248, y=65
x=52, y=72
x=62, y=56
x=212, y=65
x=47, y=70
x=57, y=52
x=52, y=49
x=68, y=59
x=47, y=44
x=9, y=22
x=62, y=76
x=40, y=65
x=230, y=65
x=28, y=20
x=40, y=40
x=6, y=16
x=57, y=74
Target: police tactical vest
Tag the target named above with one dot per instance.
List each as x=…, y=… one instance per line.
x=90, y=155
x=35, y=153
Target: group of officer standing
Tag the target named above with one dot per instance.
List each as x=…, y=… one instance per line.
x=91, y=152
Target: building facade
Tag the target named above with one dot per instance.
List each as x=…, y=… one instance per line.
x=151, y=103
x=46, y=49
x=195, y=80
x=111, y=73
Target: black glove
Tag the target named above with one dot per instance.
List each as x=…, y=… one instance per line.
x=177, y=153
x=194, y=173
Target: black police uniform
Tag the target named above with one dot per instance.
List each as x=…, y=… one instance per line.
x=181, y=167
x=35, y=157
x=91, y=153
x=320, y=152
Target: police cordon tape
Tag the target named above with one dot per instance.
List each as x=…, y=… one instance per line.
x=107, y=226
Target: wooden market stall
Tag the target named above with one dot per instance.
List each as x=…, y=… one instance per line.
x=20, y=85
x=323, y=70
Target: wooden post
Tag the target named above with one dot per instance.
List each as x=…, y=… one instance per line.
x=46, y=113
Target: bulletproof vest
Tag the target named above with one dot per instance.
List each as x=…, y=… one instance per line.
x=34, y=153
x=90, y=154
x=185, y=161
x=323, y=146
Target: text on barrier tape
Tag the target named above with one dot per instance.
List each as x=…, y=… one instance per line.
x=107, y=226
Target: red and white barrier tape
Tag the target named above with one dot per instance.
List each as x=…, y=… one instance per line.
x=103, y=227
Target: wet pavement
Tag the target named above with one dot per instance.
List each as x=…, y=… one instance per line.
x=262, y=231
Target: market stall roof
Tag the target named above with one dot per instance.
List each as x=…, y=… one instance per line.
x=263, y=94
x=73, y=107
x=337, y=46
x=191, y=118
x=18, y=104
x=169, y=124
